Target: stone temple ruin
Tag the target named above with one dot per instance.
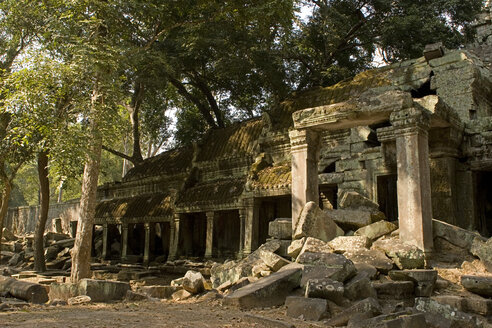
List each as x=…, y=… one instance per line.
x=411, y=140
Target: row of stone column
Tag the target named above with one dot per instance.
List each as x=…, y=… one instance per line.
x=124, y=242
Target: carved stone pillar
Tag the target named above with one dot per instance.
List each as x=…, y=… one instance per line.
x=105, y=241
x=146, y=243
x=174, y=238
x=242, y=224
x=305, y=155
x=210, y=234
x=413, y=186
x=124, y=241
x=249, y=219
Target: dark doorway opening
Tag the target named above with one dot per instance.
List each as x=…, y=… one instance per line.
x=226, y=234
x=388, y=196
x=193, y=234
x=328, y=197
x=484, y=202
x=272, y=208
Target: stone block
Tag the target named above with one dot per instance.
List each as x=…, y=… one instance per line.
x=368, y=306
x=314, y=222
x=313, y=245
x=453, y=301
x=62, y=291
x=359, y=287
x=162, y=292
x=327, y=289
x=269, y=291
x=325, y=266
x=377, y=229
x=405, y=256
x=483, y=250
x=103, y=290
x=8, y=235
x=272, y=260
x=455, y=235
x=24, y=290
x=435, y=311
x=354, y=200
x=369, y=270
x=284, y=248
x=349, y=219
x=396, y=290
x=135, y=296
x=280, y=229
x=423, y=279
x=295, y=247
x=181, y=295
x=481, y=285
x=373, y=257
x=342, y=244
x=405, y=319
x=477, y=305
x=193, y=282
x=240, y=284
x=306, y=308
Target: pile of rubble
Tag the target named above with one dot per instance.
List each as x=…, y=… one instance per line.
x=336, y=268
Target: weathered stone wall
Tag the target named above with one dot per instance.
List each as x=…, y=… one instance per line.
x=22, y=220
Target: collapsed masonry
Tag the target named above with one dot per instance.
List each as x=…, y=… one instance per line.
x=413, y=138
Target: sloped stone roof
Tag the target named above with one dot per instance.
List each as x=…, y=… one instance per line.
x=236, y=140
x=153, y=205
x=272, y=177
x=167, y=163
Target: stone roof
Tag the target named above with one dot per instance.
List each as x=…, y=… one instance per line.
x=150, y=205
x=237, y=140
x=225, y=191
x=167, y=163
x=272, y=177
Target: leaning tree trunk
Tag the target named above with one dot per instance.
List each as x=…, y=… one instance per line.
x=44, y=183
x=7, y=188
x=81, y=253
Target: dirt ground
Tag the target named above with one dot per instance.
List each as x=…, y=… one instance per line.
x=149, y=314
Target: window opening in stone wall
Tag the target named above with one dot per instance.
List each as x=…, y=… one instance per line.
x=330, y=168
x=387, y=196
x=328, y=197
x=484, y=202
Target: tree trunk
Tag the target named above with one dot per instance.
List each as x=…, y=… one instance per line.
x=44, y=186
x=81, y=253
x=4, y=205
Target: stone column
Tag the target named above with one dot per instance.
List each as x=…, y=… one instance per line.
x=242, y=224
x=249, y=216
x=305, y=155
x=210, y=234
x=105, y=241
x=413, y=186
x=147, y=243
x=174, y=238
x=124, y=241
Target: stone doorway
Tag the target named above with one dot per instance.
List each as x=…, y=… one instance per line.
x=226, y=234
x=193, y=234
x=484, y=202
x=388, y=196
x=272, y=208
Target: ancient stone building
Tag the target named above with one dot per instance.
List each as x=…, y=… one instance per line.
x=414, y=137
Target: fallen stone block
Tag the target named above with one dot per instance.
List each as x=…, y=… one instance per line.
x=349, y=219
x=240, y=284
x=369, y=270
x=162, y=292
x=272, y=260
x=280, y=228
x=306, y=308
x=405, y=256
x=455, y=235
x=483, y=250
x=295, y=247
x=453, y=301
x=359, y=287
x=181, y=295
x=373, y=257
x=269, y=291
x=62, y=291
x=135, y=296
x=103, y=290
x=423, y=279
x=24, y=290
x=325, y=266
x=434, y=310
x=314, y=222
x=284, y=247
x=353, y=199
x=343, y=244
x=266, y=322
x=314, y=245
x=193, y=282
x=396, y=290
x=477, y=305
x=403, y=319
x=327, y=289
x=8, y=235
x=481, y=285
x=369, y=306
x=79, y=300
x=377, y=229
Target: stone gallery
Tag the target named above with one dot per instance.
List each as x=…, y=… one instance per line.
x=410, y=142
